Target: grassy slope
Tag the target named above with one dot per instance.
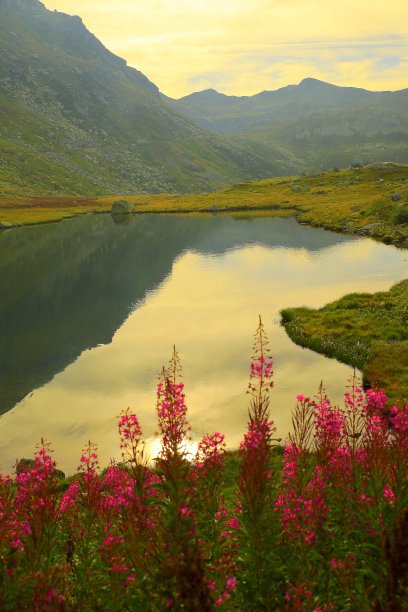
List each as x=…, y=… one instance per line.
x=75, y=120
x=368, y=331
x=346, y=200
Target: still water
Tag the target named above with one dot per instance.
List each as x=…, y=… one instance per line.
x=90, y=310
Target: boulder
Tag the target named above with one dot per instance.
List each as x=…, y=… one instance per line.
x=401, y=215
x=367, y=229
x=299, y=188
x=122, y=207
x=395, y=197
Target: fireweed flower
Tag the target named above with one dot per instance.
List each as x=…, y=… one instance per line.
x=112, y=553
x=118, y=489
x=290, y=499
x=129, y=428
x=91, y=486
x=255, y=485
x=36, y=495
x=258, y=436
x=260, y=375
x=377, y=402
x=399, y=427
x=170, y=539
x=70, y=497
x=330, y=427
x=210, y=451
x=389, y=495
x=130, y=434
x=171, y=413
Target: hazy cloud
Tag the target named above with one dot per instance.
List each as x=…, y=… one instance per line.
x=243, y=47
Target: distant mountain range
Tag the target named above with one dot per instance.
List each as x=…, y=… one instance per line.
x=75, y=119
x=314, y=124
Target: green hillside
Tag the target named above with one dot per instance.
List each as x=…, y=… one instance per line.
x=315, y=125
x=75, y=119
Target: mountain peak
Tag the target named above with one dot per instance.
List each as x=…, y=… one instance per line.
x=207, y=96
x=312, y=82
x=207, y=93
x=210, y=90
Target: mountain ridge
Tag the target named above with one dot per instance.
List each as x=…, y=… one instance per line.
x=74, y=118
x=317, y=124
x=305, y=82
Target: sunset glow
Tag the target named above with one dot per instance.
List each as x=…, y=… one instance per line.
x=242, y=48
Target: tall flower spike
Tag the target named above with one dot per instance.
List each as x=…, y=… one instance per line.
x=260, y=377
x=131, y=443
x=171, y=408
x=355, y=413
x=173, y=371
x=302, y=423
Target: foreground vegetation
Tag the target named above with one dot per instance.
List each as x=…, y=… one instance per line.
x=367, y=331
x=371, y=200
x=320, y=524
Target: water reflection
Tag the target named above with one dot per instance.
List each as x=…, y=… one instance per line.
x=111, y=300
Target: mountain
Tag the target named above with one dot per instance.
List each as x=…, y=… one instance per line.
x=75, y=119
x=314, y=123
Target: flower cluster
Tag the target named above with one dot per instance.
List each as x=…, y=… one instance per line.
x=171, y=412
x=210, y=451
x=298, y=526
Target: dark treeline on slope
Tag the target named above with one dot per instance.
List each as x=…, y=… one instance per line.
x=57, y=305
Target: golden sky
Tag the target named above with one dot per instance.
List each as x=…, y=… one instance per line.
x=242, y=47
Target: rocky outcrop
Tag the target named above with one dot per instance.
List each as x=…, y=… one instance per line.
x=122, y=207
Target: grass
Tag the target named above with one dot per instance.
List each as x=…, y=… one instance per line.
x=346, y=200
x=368, y=331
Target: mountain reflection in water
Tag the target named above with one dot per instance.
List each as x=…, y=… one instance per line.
x=69, y=286
x=89, y=311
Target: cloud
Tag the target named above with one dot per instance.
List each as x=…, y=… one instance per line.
x=390, y=61
x=242, y=47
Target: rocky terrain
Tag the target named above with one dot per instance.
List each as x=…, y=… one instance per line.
x=75, y=119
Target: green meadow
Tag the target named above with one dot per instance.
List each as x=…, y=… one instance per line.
x=367, y=331
x=347, y=201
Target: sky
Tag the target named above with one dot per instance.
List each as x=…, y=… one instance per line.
x=241, y=47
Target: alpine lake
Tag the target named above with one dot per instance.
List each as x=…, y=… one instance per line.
x=90, y=311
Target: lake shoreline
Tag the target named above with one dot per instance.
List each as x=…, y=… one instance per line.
x=363, y=330
x=397, y=241
x=360, y=201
